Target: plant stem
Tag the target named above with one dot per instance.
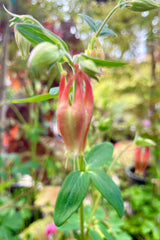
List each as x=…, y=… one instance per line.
x=81, y=163
x=93, y=211
x=82, y=221
x=60, y=67
x=107, y=19
x=17, y=112
x=81, y=168
x=115, y=159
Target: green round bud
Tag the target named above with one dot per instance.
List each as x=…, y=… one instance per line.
x=44, y=55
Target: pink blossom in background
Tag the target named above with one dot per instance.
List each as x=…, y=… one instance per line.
x=50, y=230
x=146, y=123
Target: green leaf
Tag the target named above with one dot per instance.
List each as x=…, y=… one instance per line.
x=70, y=226
x=2, y=162
x=104, y=63
x=98, y=23
x=100, y=213
x=90, y=21
x=99, y=155
x=37, y=98
x=54, y=91
x=56, y=39
x=5, y=233
x=33, y=133
x=25, y=168
x=103, y=228
x=95, y=235
x=36, y=34
x=73, y=223
x=72, y=193
x=3, y=175
x=105, y=31
x=6, y=184
x=33, y=33
x=108, y=189
x=12, y=220
x=25, y=213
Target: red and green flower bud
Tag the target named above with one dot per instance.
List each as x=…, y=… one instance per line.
x=44, y=55
x=139, y=5
x=141, y=159
x=74, y=118
x=22, y=43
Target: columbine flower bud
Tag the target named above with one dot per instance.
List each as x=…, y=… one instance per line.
x=22, y=43
x=74, y=119
x=44, y=55
x=139, y=5
x=141, y=159
x=89, y=67
x=97, y=52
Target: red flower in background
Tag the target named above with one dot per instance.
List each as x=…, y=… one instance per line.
x=15, y=83
x=142, y=155
x=10, y=135
x=74, y=119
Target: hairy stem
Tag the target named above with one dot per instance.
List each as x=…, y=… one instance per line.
x=107, y=19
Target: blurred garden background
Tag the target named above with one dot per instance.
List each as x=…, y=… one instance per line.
x=126, y=106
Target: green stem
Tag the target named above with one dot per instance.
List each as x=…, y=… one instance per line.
x=82, y=221
x=115, y=159
x=107, y=19
x=93, y=211
x=36, y=125
x=81, y=168
x=60, y=67
x=67, y=55
x=19, y=115
x=81, y=163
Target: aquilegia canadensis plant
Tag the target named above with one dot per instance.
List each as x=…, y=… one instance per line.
x=74, y=114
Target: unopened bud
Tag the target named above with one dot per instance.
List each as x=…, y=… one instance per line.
x=139, y=5
x=97, y=52
x=44, y=55
x=144, y=142
x=22, y=43
x=105, y=124
x=89, y=67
